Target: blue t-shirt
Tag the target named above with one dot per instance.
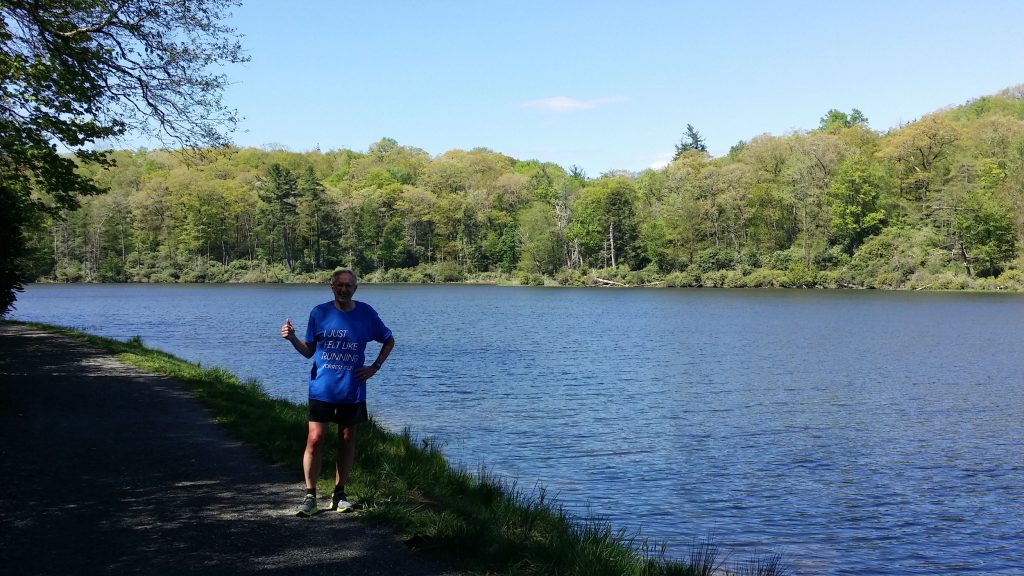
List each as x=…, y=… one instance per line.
x=340, y=339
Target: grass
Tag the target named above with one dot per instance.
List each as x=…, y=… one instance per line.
x=474, y=520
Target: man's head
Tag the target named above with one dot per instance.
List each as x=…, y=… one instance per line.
x=344, y=284
x=340, y=271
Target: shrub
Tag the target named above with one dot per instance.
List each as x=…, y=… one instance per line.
x=243, y=265
x=111, y=270
x=648, y=275
x=71, y=271
x=448, y=271
x=749, y=259
x=733, y=279
x=765, y=278
x=162, y=277
x=618, y=274
x=985, y=283
x=193, y=274
x=890, y=258
x=724, y=279
x=684, y=279
x=1013, y=279
x=830, y=258
x=394, y=276
x=623, y=275
x=940, y=260
x=570, y=277
x=488, y=278
x=530, y=279
x=712, y=259
x=780, y=260
x=828, y=279
x=948, y=281
x=800, y=276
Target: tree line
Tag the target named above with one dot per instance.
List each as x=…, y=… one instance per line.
x=936, y=203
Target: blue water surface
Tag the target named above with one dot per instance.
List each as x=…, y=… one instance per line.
x=854, y=432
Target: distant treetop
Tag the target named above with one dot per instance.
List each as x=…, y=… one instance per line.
x=691, y=140
x=835, y=119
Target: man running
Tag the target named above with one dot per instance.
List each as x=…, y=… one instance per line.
x=336, y=338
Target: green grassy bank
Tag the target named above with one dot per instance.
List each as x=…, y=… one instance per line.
x=472, y=520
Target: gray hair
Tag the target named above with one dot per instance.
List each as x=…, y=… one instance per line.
x=340, y=271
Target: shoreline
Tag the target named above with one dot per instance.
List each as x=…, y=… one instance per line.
x=969, y=288
x=114, y=469
x=478, y=521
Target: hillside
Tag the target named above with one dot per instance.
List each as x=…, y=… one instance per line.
x=937, y=203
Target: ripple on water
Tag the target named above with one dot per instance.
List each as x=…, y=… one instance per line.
x=856, y=433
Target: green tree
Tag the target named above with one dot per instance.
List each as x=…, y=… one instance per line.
x=392, y=249
x=375, y=234
x=404, y=164
x=919, y=152
x=604, y=222
x=682, y=220
x=540, y=251
x=78, y=72
x=508, y=252
x=691, y=140
x=312, y=208
x=984, y=233
x=855, y=204
x=808, y=175
x=771, y=223
x=279, y=189
x=416, y=207
x=834, y=120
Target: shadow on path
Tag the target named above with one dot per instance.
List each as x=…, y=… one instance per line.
x=110, y=470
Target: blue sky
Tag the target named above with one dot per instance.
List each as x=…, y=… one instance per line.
x=605, y=85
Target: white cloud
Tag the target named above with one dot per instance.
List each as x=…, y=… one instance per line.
x=661, y=160
x=566, y=104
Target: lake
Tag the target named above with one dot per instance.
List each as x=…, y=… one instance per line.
x=854, y=432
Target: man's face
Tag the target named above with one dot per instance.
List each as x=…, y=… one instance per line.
x=343, y=286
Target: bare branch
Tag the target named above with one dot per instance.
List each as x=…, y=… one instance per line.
x=108, y=21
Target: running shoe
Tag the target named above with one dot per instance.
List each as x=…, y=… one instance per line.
x=340, y=502
x=308, y=506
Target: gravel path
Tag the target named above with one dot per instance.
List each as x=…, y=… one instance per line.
x=110, y=470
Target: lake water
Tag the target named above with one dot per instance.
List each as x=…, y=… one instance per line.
x=854, y=432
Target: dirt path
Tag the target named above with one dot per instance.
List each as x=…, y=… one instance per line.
x=106, y=469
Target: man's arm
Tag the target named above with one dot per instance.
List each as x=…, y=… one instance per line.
x=385, y=349
x=307, y=349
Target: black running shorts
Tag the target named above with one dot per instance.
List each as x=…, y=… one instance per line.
x=340, y=414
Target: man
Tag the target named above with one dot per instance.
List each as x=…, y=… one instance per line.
x=336, y=338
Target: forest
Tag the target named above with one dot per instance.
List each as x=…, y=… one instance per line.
x=934, y=204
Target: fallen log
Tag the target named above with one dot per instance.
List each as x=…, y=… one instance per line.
x=605, y=282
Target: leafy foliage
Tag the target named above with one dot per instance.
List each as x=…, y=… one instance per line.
x=984, y=233
x=938, y=203
x=835, y=120
x=855, y=197
x=75, y=73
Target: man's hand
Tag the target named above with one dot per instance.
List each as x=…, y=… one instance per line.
x=366, y=372
x=307, y=349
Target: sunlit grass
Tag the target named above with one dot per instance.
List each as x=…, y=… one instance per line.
x=476, y=520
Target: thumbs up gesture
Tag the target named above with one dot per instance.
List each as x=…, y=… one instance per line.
x=287, y=331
